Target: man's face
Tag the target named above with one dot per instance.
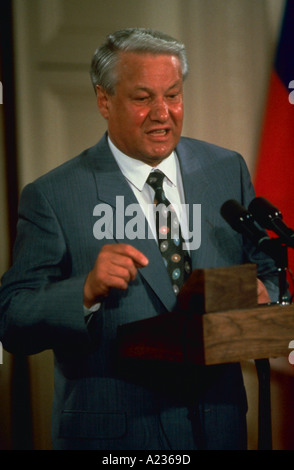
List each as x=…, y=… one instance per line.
x=145, y=114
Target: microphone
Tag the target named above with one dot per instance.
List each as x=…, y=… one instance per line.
x=241, y=220
x=269, y=217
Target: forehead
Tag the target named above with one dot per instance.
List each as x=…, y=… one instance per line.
x=148, y=68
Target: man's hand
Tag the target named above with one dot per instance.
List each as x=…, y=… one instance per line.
x=115, y=266
x=262, y=294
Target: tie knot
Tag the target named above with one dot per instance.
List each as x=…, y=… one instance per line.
x=155, y=179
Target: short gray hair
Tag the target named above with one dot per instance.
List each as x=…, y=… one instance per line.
x=141, y=40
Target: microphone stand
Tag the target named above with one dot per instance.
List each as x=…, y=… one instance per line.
x=279, y=253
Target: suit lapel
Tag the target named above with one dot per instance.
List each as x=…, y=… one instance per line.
x=110, y=183
x=195, y=184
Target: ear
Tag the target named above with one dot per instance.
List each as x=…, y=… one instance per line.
x=102, y=101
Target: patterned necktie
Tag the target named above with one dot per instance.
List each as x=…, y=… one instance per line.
x=170, y=240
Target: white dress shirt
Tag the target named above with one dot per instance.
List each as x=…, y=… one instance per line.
x=136, y=173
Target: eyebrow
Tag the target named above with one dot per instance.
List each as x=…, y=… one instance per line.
x=142, y=88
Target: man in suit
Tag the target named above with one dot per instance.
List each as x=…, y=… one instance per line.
x=71, y=285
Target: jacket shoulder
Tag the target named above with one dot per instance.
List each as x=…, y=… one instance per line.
x=205, y=149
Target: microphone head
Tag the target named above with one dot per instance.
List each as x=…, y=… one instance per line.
x=241, y=220
x=264, y=212
x=235, y=215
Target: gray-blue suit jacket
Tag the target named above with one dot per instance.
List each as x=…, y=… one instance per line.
x=99, y=403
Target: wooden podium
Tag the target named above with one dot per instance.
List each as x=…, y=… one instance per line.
x=217, y=320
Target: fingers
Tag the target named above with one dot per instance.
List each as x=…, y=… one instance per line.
x=120, y=262
x=116, y=266
x=125, y=254
x=262, y=294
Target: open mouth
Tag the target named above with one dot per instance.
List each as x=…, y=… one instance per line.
x=159, y=132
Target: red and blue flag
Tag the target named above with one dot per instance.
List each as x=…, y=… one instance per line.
x=274, y=177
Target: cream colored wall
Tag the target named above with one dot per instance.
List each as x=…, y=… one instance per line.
x=230, y=44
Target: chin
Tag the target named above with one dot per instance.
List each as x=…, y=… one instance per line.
x=155, y=160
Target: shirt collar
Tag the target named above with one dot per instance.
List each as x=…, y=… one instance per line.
x=137, y=172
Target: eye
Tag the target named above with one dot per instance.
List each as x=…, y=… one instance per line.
x=174, y=96
x=141, y=98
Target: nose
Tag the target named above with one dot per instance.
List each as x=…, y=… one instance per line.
x=159, y=111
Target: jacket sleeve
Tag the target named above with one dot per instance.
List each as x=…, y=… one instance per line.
x=41, y=304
